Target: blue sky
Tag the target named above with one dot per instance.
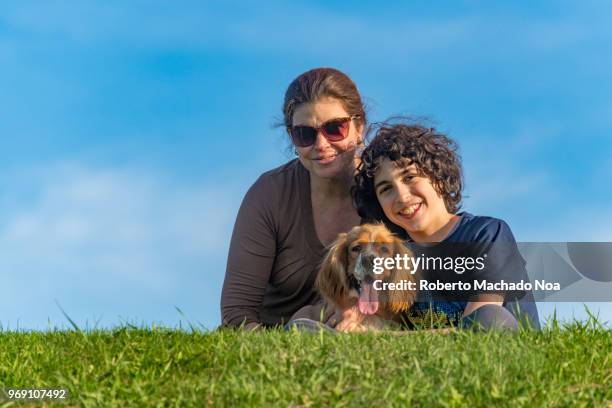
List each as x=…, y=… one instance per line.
x=129, y=132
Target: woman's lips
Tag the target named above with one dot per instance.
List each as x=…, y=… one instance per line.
x=326, y=159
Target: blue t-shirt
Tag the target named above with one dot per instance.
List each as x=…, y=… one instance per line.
x=474, y=236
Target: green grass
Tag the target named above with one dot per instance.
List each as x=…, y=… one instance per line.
x=568, y=366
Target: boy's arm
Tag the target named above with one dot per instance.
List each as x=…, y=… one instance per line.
x=482, y=299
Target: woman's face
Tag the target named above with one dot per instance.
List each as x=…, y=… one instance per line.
x=327, y=159
x=409, y=200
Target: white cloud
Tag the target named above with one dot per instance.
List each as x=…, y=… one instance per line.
x=504, y=187
x=87, y=236
x=586, y=223
x=319, y=31
x=512, y=176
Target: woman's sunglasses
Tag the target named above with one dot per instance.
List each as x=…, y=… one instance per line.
x=334, y=130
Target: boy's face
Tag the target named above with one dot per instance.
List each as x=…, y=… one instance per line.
x=410, y=201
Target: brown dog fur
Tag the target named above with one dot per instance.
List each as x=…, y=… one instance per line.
x=333, y=278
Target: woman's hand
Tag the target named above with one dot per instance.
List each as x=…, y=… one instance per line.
x=351, y=321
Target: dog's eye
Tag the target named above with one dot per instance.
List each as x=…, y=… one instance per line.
x=356, y=248
x=384, y=249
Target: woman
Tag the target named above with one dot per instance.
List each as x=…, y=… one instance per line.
x=292, y=212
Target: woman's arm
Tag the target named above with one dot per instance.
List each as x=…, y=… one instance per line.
x=250, y=259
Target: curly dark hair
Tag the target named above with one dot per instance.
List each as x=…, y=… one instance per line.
x=433, y=153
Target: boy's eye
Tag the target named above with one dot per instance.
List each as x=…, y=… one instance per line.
x=383, y=189
x=409, y=178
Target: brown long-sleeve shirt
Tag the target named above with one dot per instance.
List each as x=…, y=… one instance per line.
x=274, y=253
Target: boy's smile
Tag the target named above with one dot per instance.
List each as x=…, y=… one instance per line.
x=410, y=211
x=410, y=201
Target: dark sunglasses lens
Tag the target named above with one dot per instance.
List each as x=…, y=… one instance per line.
x=303, y=136
x=336, y=130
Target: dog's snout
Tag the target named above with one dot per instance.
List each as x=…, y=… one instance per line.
x=367, y=261
x=365, y=267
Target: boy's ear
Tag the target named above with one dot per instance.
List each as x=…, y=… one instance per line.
x=440, y=191
x=438, y=188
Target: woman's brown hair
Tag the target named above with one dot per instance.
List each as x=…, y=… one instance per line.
x=319, y=83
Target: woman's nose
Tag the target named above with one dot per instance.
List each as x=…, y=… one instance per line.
x=320, y=142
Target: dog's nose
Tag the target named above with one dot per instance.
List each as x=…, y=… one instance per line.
x=363, y=266
x=367, y=261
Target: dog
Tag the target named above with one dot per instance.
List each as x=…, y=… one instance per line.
x=347, y=279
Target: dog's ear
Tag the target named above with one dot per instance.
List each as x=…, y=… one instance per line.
x=332, y=281
x=401, y=300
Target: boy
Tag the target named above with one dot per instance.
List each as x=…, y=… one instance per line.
x=410, y=179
